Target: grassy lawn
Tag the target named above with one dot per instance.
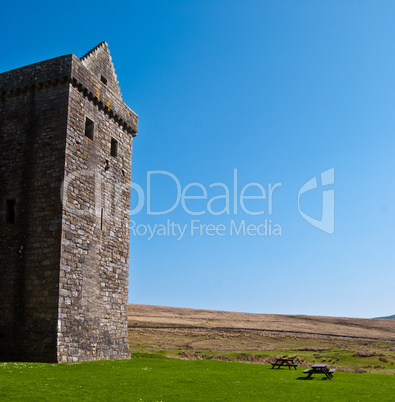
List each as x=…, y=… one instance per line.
x=162, y=379
x=341, y=360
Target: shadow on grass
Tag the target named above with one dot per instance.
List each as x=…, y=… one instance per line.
x=311, y=378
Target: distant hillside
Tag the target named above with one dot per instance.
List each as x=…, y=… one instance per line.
x=348, y=344
x=140, y=315
x=390, y=317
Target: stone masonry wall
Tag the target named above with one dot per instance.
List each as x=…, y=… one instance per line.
x=95, y=233
x=32, y=137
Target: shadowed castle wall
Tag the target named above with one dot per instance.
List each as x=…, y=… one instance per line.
x=32, y=130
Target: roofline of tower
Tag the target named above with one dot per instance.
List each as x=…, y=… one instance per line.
x=70, y=69
x=86, y=55
x=103, y=96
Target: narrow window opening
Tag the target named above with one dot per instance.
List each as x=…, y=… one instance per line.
x=101, y=219
x=123, y=172
x=103, y=80
x=114, y=147
x=10, y=211
x=89, y=127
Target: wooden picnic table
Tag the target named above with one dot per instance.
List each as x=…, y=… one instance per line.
x=319, y=369
x=284, y=361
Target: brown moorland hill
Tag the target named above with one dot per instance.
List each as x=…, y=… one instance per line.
x=140, y=315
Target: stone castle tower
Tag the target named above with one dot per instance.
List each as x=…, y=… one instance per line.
x=65, y=172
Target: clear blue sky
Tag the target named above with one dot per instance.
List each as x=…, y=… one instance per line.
x=281, y=91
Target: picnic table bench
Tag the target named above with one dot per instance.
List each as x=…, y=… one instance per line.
x=284, y=361
x=319, y=369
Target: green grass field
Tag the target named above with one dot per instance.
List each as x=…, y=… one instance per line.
x=162, y=379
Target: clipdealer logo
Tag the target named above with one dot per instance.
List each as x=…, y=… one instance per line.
x=247, y=209
x=231, y=200
x=327, y=221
